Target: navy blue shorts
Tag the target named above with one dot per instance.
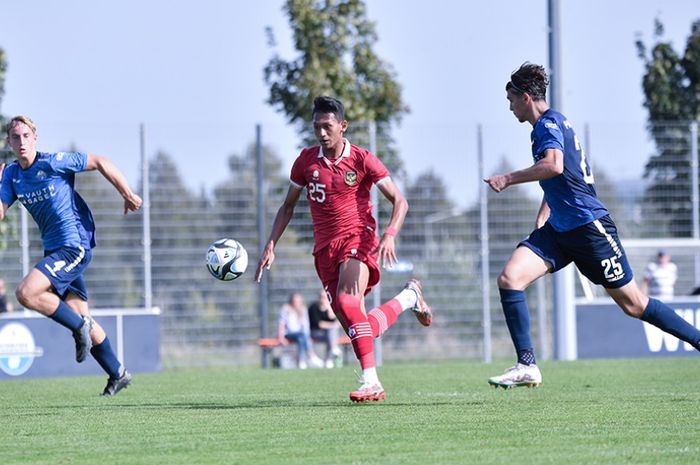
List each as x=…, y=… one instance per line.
x=65, y=267
x=594, y=248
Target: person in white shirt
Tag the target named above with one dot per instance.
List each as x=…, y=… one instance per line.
x=293, y=328
x=660, y=277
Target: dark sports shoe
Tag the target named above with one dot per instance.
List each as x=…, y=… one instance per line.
x=83, y=343
x=114, y=385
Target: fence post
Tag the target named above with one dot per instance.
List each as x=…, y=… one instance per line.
x=485, y=253
x=695, y=194
x=376, y=290
x=264, y=283
x=146, y=215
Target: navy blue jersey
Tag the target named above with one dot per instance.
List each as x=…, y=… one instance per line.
x=571, y=195
x=46, y=191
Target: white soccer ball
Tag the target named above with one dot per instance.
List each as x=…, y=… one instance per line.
x=227, y=259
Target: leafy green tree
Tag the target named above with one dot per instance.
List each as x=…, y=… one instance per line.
x=429, y=203
x=511, y=216
x=112, y=271
x=335, y=42
x=179, y=221
x=235, y=200
x=9, y=227
x=234, y=205
x=671, y=84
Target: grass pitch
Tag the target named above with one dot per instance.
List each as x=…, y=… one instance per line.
x=593, y=412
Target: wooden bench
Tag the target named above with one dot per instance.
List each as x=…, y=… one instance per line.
x=268, y=344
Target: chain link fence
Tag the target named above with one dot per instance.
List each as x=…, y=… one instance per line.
x=444, y=242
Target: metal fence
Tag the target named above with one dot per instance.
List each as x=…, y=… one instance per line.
x=456, y=247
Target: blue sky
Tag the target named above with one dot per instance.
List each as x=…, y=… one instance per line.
x=90, y=72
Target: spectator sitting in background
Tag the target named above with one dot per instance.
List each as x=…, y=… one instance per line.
x=5, y=305
x=293, y=327
x=660, y=277
x=324, y=327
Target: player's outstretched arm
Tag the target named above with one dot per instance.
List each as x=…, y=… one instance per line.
x=282, y=218
x=132, y=201
x=386, y=251
x=551, y=164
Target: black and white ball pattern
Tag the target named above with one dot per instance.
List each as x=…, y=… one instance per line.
x=227, y=259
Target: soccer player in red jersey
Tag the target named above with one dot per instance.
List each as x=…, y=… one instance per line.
x=338, y=177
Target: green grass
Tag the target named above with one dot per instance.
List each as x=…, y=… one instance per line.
x=612, y=412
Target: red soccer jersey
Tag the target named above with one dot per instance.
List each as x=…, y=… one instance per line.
x=339, y=190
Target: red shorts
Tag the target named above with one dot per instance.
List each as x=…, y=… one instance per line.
x=357, y=246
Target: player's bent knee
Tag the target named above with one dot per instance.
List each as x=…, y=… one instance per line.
x=506, y=280
x=634, y=311
x=24, y=295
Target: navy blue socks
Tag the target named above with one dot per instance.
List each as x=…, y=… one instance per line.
x=518, y=320
x=663, y=317
x=67, y=317
x=104, y=355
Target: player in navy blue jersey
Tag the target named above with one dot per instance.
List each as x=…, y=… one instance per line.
x=572, y=225
x=44, y=184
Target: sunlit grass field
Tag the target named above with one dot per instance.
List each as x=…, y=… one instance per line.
x=613, y=412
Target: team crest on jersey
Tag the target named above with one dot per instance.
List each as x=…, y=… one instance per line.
x=351, y=178
x=315, y=174
x=41, y=174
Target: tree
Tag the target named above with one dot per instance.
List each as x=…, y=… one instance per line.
x=8, y=226
x=671, y=86
x=179, y=219
x=428, y=200
x=335, y=41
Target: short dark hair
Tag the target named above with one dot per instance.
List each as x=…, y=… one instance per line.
x=325, y=104
x=529, y=78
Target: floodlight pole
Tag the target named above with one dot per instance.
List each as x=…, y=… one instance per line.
x=562, y=281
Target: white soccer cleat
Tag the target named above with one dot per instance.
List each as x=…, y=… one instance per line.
x=518, y=375
x=368, y=392
x=421, y=310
